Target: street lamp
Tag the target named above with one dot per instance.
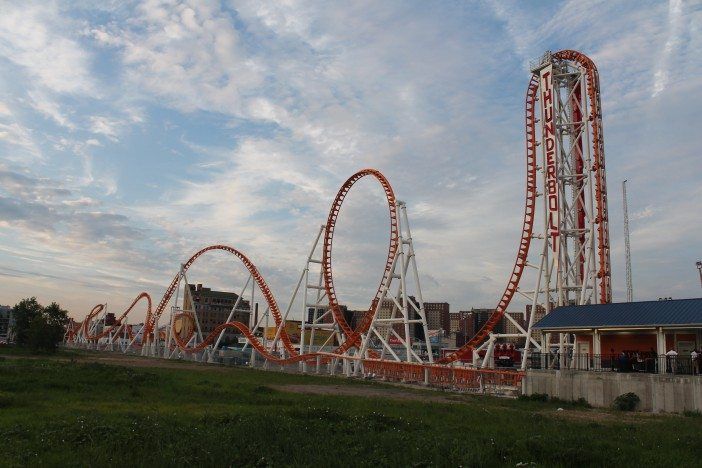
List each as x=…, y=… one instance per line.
x=699, y=268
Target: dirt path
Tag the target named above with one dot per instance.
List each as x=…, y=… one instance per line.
x=125, y=360
x=364, y=391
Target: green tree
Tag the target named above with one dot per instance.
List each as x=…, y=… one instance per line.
x=40, y=328
x=46, y=329
x=24, y=312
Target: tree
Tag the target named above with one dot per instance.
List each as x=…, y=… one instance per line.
x=24, y=312
x=40, y=328
x=46, y=329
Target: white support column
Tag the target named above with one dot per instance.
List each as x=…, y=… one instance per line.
x=561, y=351
x=402, y=310
x=660, y=349
x=597, y=349
x=231, y=315
x=544, y=349
x=488, y=361
x=415, y=273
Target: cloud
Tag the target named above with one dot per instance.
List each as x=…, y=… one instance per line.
x=188, y=54
x=105, y=126
x=43, y=205
x=51, y=109
x=16, y=135
x=174, y=125
x=34, y=37
x=64, y=238
x=672, y=44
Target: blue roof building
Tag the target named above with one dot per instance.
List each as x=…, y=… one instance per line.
x=630, y=327
x=666, y=313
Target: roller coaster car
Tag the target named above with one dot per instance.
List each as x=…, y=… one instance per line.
x=506, y=355
x=447, y=351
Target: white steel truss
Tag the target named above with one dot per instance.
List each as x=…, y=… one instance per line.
x=185, y=306
x=390, y=332
x=565, y=272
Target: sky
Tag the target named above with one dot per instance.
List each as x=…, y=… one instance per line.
x=134, y=133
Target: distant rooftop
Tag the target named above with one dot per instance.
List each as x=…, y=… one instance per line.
x=665, y=313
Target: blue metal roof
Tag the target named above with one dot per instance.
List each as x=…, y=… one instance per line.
x=684, y=312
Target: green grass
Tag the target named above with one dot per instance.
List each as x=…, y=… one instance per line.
x=62, y=413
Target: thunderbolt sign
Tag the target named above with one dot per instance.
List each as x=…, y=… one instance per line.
x=549, y=139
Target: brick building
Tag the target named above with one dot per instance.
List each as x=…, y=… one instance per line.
x=438, y=316
x=480, y=316
x=540, y=313
x=510, y=328
x=5, y=322
x=462, y=328
x=213, y=308
x=321, y=313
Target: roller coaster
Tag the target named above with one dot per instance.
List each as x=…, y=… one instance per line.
x=565, y=212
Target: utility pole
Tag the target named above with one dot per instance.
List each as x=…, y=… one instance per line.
x=627, y=248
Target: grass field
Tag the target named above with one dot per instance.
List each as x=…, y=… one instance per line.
x=69, y=411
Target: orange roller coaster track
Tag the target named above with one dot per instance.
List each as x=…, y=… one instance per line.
x=352, y=337
x=428, y=373
x=119, y=322
x=603, y=250
x=432, y=373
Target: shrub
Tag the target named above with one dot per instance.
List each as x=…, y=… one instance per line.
x=627, y=402
x=535, y=397
x=39, y=328
x=692, y=413
x=582, y=403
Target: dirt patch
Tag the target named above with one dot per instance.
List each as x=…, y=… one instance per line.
x=363, y=391
x=602, y=415
x=127, y=360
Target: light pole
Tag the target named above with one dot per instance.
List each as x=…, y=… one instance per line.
x=699, y=268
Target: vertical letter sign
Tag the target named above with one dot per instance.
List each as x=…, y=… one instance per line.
x=549, y=148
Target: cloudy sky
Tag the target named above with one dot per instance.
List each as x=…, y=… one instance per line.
x=134, y=133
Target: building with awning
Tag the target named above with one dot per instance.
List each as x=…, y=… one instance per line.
x=628, y=327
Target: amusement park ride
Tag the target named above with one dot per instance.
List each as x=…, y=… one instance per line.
x=565, y=218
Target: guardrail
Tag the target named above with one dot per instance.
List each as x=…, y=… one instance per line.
x=443, y=376
x=632, y=362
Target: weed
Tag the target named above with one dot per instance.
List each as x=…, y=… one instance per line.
x=535, y=397
x=6, y=400
x=626, y=402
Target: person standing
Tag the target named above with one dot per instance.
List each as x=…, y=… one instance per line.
x=695, y=362
x=672, y=358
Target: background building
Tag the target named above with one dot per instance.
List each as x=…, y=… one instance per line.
x=462, y=328
x=438, y=316
x=511, y=328
x=353, y=317
x=213, y=308
x=5, y=322
x=540, y=313
x=480, y=316
x=318, y=312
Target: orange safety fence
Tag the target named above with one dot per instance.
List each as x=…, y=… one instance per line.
x=441, y=375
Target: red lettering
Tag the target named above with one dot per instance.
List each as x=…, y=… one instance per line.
x=550, y=145
x=547, y=96
x=551, y=182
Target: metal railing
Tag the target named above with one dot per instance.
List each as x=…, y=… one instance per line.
x=633, y=362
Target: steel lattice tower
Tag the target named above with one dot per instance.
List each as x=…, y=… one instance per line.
x=627, y=247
